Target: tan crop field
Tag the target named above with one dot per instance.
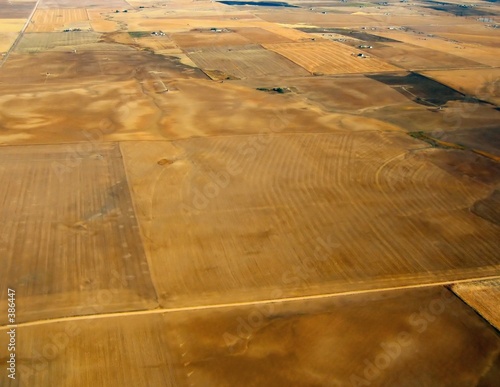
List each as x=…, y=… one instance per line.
x=483, y=83
x=329, y=58
x=100, y=20
x=199, y=194
x=483, y=296
x=193, y=201
x=209, y=38
x=11, y=25
x=412, y=57
x=75, y=231
x=41, y=41
x=53, y=20
x=302, y=343
x=6, y=40
x=258, y=35
x=484, y=55
x=244, y=61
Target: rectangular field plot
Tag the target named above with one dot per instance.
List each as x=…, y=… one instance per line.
x=10, y=9
x=329, y=58
x=207, y=38
x=70, y=243
x=260, y=36
x=305, y=213
x=412, y=57
x=51, y=20
x=42, y=41
x=248, y=62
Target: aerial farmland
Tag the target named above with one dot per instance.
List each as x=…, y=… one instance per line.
x=244, y=193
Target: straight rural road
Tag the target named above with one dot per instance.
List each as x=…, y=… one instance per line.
x=244, y=303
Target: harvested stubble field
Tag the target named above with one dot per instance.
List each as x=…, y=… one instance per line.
x=412, y=57
x=95, y=61
x=258, y=35
x=329, y=58
x=483, y=296
x=481, y=83
x=53, y=20
x=353, y=93
x=100, y=20
x=244, y=61
x=210, y=239
x=6, y=40
x=334, y=341
x=487, y=56
x=70, y=204
x=42, y=41
x=221, y=232
x=207, y=38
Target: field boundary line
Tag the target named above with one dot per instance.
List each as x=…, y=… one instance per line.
x=246, y=303
x=20, y=36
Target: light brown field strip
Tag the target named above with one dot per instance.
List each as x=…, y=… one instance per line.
x=70, y=242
